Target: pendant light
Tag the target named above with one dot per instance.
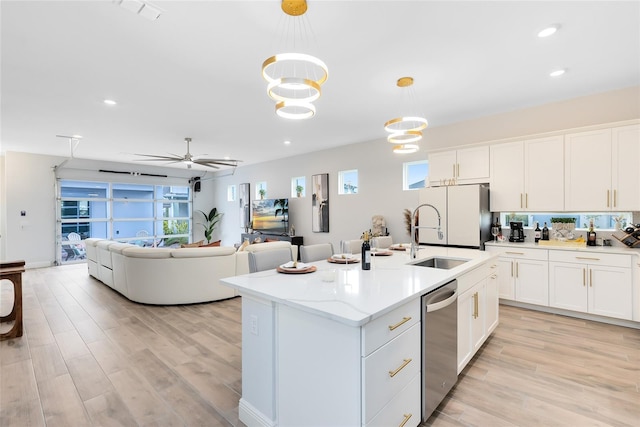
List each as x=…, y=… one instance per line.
x=405, y=130
x=294, y=79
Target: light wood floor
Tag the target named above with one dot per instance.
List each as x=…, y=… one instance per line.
x=91, y=357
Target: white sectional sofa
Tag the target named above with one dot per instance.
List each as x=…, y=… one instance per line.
x=166, y=276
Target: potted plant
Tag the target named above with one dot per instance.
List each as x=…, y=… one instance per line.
x=210, y=222
x=299, y=190
x=262, y=193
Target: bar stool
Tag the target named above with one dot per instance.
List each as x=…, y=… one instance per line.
x=12, y=271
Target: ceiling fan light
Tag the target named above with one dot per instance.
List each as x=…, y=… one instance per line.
x=406, y=149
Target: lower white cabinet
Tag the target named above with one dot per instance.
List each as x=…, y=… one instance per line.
x=523, y=274
x=477, y=311
x=591, y=283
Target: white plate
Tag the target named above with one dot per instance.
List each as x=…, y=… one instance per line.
x=290, y=266
x=342, y=256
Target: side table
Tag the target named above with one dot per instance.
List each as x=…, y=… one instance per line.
x=12, y=271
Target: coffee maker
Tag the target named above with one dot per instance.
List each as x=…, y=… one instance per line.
x=517, y=232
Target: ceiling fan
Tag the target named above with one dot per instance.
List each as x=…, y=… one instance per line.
x=189, y=159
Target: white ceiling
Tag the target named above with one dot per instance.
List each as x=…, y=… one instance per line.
x=195, y=72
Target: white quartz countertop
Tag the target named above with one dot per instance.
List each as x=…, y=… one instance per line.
x=623, y=250
x=357, y=296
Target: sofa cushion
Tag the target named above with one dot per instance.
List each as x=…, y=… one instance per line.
x=201, y=252
x=138, y=252
x=119, y=247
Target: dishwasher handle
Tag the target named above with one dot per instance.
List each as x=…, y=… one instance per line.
x=443, y=299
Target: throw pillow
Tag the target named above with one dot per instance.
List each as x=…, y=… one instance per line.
x=216, y=243
x=192, y=245
x=271, y=240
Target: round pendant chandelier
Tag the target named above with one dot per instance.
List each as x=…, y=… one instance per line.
x=407, y=129
x=294, y=79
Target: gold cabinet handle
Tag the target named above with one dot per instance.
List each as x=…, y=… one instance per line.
x=520, y=200
x=405, y=362
x=511, y=268
x=526, y=200
x=404, y=421
x=591, y=278
x=514, y=253
x=588, y=258
x=615, y=198
x=584, y=277
x=516, y=270
x=458, y=170
x=454, y=170
x=400, y=323
x=607, y=198
x=475, y=305
x=493, y=276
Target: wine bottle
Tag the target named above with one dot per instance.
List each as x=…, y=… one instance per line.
x=591, y=235
x=499, y=227
x=545, y=232
x=366, y=255
x=538, y=232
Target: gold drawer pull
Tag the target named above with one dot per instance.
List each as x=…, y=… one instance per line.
x=401, y=367
x=493, y=276
x=587, y=258
x=584, y=277
x=400, y=323
x=406, y=418
x=514, y=253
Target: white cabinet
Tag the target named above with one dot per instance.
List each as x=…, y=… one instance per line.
x=625, y=177
x=477, y=310
x=523, y=274
x=591, y=283
x=601, y=170
x=465, y=166
x=528, y=175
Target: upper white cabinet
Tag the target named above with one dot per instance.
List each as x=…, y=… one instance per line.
x=528, y=175
x=465, y=166
x=625, y=177
x=601, y=170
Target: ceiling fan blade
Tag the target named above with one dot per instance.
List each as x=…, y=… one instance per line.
x=217, y=160
x=154, y=157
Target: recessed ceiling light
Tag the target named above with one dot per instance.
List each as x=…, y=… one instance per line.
x=557, y=73
x=110, y=102
x=227, y=158
x=287, y=142
x=548, y=31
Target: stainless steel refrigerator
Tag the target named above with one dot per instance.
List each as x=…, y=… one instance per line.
x=464, y=215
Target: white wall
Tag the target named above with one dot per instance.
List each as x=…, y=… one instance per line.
x=28, y=180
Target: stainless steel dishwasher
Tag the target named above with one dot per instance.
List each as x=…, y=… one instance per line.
x=439, y=345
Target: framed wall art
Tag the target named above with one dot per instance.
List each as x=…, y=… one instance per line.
x=320, y=203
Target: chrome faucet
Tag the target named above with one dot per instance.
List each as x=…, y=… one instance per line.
x=414, y=251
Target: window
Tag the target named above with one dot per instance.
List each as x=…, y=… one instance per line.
x=145, y=215
x=348, y=182
x=261, y=190
x=601, y=221
x=231, y=193
x=298, y=187
x=415, y=175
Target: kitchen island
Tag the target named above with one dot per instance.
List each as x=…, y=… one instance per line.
x=347, y=352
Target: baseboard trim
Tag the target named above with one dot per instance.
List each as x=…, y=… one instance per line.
x=576, y=314
x=249, y=415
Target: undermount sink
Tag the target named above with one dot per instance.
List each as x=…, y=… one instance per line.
x=442, y=263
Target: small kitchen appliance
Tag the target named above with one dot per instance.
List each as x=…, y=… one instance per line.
x=517, y=232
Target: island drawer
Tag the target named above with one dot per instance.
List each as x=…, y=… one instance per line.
x=593, y=258
x=389, y=369
x=406, y=405
x=390, y=325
